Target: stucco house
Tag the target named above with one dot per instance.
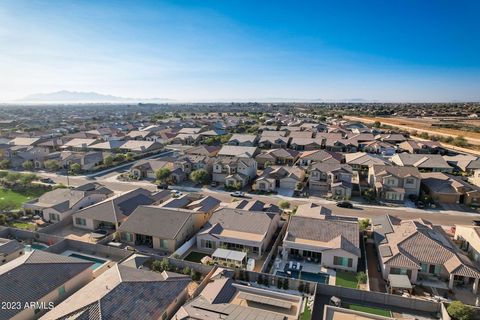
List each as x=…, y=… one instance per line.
x=284, y=177
x=239, y=230
x=233, y=171
x=393, y=183
x=56, y=205
x=320, y=238
x=421, y=251
x=332, y=178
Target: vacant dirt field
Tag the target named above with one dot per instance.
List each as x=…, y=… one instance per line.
x=422, y=125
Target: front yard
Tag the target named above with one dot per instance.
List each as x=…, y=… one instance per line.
x=346, y=279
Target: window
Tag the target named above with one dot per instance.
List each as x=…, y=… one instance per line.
x=410, y=181
x=209, y=244
x=342, y=261
x=54, y=216
x=163, y=244
x=126, y=236
x=80, y=221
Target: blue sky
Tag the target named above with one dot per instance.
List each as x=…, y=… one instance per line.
x=243, y=50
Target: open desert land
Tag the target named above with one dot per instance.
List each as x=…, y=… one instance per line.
x=428, y=125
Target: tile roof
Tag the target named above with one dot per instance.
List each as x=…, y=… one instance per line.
x=164, y=223
x=35, y=275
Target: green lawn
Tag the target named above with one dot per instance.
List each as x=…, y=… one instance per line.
x=22, y=225
x=307, y=314
x=18, y=198
x=346, y=279
x=371, y=310
x=195, y=256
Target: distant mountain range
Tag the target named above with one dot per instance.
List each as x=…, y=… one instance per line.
x=83, y=97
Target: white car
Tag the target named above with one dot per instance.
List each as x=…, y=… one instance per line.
x=176, y=193
x=237, y=194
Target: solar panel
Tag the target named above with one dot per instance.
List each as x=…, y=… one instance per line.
x=265, y=300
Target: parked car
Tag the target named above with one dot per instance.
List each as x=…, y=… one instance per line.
x=420, y=205
x=238, y=194
x=176, y=193
x=345, y=204
x=162, y=186
x=47, y=180
x=213, y=184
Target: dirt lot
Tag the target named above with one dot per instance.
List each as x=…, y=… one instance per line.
x=422, y=125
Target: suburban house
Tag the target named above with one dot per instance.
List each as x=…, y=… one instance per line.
x=17, y=155
x=203, y=150
x=160, y=228
x=306, y=144
x=392, y=138
x=143, y=294
x=56, y=205
x=79, y=144
x=468, y=239
x=10, y=249
x=332, y=178
x=147, y=168
x=279, y=177
x=463, y=163
x=239, y=230
x=422, y=147
x=253, y=205
x=87, y=160
x=424, y=162
x=238, y=151
x=112, y=212
x=222, y=298
x=277, y=157
x=421, y=251
x=273, y=140
x=308, y=157
x=140, y=147
x=362, y=161
x=244, y=140
x=318, y=237
x=379, y=147
x=184, y=165
x=234, y=171
x=393, y=183
x=446, y=188
x=40, y=276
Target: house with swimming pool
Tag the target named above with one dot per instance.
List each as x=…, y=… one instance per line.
x=315, y=237
x=240, y=230
x=112, y=212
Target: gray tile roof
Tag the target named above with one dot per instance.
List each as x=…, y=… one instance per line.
x=119, y=207
x=155, y=221
x=339, y=233
x=35, y=275
x=9, y=246
x=241, y=220
x=136, y=294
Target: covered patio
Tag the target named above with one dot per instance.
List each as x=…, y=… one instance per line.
x=229, y=257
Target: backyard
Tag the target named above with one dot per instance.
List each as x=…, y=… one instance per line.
x=22, y=225
x=306, y=314
x=346, y=279
x=195, y=256
x=371, y=310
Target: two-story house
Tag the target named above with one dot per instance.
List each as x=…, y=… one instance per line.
x=331, y=178
x=234, y=171
x=279, y=177
x=393, y=183
x=277, y=157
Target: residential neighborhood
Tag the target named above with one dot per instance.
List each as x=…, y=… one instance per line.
x=269, y=222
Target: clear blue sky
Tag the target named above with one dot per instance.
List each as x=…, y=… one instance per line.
x=215, y=50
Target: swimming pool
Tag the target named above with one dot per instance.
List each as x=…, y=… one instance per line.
x=308, y=276
x=35, y=246
x=97, y=262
